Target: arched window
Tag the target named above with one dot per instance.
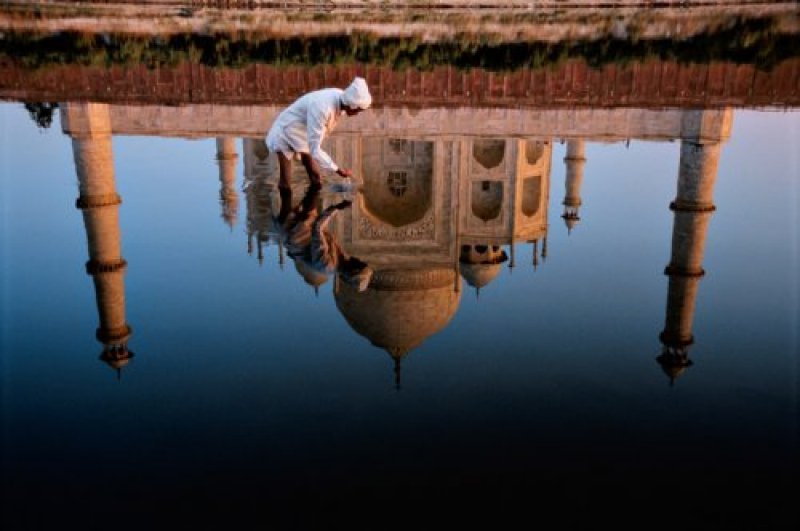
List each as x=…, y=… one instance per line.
x=487, y=199
x=260, y=150
x=489, y=152
x=399, y=145
x=397, y=181
x=531, y=195
x=534, y=151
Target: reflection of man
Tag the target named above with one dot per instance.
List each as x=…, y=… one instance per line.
x=311, y=245
x=301, y=128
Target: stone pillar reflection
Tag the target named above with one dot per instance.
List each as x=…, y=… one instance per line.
x=575, y=160
x=692, y=207
x=99, y=202
x=229, y=199
x=261, y=196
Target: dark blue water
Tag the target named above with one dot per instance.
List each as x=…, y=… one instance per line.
x=251, y=399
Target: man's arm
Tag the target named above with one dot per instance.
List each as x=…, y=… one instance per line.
x=315, y=123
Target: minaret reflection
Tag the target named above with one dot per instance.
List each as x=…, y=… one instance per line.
x=575, y=160
x=99, y=202
x=263, y=198
x=259, y=192
x=692, y=207
x=229, y=199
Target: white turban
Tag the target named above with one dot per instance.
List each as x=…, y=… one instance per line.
x=357, y=94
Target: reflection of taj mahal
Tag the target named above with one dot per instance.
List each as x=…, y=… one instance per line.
x=438, y=203
x=430, y=211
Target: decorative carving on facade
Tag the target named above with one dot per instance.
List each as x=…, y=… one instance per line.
x=96, y=267
x=397, y=181
x=408, y=280
x=398, y=151
x=682, y=205
x=371, y=229
x=681, y=271
x=110, y=335
x=97, y=201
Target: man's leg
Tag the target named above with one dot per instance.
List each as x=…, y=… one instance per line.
x=285, y=164
x=312, y=168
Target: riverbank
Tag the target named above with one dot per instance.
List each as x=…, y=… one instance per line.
x=546, y=22
x=32, y=36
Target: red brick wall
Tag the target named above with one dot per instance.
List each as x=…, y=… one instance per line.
x=574, y=84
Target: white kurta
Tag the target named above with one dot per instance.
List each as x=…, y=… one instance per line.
x=303, y=125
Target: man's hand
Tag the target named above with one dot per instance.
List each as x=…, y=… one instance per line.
x=344, y=172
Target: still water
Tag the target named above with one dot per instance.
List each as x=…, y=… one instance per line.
x=581, y=307
x=252, y=386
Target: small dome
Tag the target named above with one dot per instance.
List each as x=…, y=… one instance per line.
x=674, y=362
x=311, y=276
x=673, y=371
x=482, y=254
x=118, y=364
x=571, y=221
x=479, y=275
x=401, y=308
x=117, y=356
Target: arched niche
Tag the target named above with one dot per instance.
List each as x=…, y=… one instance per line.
x=487, y=199
x=534, y=151
x=531, y=195
x=260, y=149
x=398, y=179
x=482, y=254
x=489, y=152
